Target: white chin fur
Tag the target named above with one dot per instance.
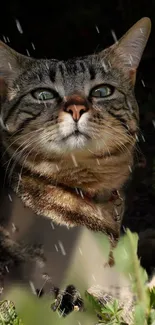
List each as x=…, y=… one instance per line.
x=67, y=145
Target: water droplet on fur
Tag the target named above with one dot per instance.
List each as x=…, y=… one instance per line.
x=137, y=138
x=74, y=160
x=104, y=66
x=77, y=192
x=130, y=169
x=81, y=193
x=130, y=59
x=19, y=26
x=9, y=65
x=57, y=167
x=129, y=106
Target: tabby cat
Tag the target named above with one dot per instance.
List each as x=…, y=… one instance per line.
x=69, y=129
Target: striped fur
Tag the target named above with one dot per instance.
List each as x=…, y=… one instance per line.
x=57, y=172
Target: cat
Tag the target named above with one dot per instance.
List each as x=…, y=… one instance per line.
x=69, y=129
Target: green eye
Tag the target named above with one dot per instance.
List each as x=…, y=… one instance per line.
x=43, y=94
x=102, y=91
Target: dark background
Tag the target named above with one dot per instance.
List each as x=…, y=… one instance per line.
x=63, y=29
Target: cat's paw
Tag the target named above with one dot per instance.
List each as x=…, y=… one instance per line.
x=67, y=300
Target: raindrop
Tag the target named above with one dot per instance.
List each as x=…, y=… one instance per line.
x=130, y=169
x=62, y=248
x=14, y=228
x=104, y=66
x=1, y=290
x=19, y=26
x=114, y=35
x=97, y=29
x=8, y=39
x=10, y=198
x=116, y=211
x=130, y=106
x=74, y=160
x=153, y=122
x=52, y=225
x=143, y=137
x=9, y=65
x=143, y=83
x=80, y=251
x=56, y=247
x=137, y=138
x=47, y=66
x=32, y=287
x=33, y=46
x=6, y=267
x=77, y=192
x=109, y=64
x=81, y=194
x=125, y=253
x=97, y=161
x=57, y=168
x=27, y=51
x=130, y=276
x=93, y=277
x=4, y=38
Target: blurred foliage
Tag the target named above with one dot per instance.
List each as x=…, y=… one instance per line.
x=34, y=311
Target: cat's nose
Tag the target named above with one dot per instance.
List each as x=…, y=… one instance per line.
x=76, y=111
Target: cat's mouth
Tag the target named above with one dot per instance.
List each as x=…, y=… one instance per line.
x=77, y=134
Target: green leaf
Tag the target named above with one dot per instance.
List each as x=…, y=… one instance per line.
x=152, y=297
x=126, y=261
x=8, y=315
x=140, y=316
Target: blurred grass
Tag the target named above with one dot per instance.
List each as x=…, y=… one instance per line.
x=34, y=311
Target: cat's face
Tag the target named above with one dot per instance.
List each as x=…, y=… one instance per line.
x=85, y=104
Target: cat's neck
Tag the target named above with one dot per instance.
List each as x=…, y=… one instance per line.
x=92, y=173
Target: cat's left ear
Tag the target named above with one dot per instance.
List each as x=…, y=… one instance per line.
x=130, y=47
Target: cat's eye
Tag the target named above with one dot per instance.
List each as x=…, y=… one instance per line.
x=102, y=91
x=44, y=94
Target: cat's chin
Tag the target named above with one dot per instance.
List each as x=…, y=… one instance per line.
x=74, y=142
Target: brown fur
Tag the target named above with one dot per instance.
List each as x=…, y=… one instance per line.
x=72, y=184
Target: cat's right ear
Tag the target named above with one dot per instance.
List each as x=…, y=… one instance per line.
x=11, y=62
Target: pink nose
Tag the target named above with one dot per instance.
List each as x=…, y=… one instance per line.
x=76, y=111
